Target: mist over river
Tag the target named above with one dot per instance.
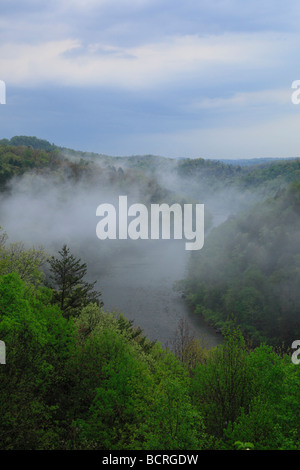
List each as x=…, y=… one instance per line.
x=135, y=277
x=140, y=284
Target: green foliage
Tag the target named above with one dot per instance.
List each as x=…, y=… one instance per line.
x=78, y=377
x=14, y=161
x=272, y=420
x=221, y=385
x=249, y=270
x=32, y=142
x=125, y=399
x=71, y=291
x=27, y=263
x=173, y=421
x=186, y=347
x=38, y=341
x=95, y=383
x=114, y=411
x=243, y=445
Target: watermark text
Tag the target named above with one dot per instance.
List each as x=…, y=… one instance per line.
x=2, y=92
x=296, y=94
x=163, y=222
x=296, y=345
x=2, y=353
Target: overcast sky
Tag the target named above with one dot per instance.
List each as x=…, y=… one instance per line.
x=192, y=78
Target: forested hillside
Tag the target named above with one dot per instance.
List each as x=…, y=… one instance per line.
x=78, y=376
x=248, y=271
x=84, y=378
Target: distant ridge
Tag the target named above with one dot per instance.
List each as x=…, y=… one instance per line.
x=42, y=144
x=251, y=161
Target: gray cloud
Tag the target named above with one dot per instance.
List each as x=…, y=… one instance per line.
x=144, y=76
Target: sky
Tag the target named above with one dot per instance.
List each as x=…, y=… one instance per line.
x=192, y=78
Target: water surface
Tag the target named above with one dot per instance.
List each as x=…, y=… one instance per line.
x=140, y=283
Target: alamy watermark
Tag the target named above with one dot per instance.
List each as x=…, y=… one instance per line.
x=164, y=222
x=2, y=353
x=296, y=345
x=296, y=94
x=2, y=92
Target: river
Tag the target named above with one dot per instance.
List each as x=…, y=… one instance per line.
x=139, y=283
x=135, y=277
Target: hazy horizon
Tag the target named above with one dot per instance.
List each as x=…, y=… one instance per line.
x=119, y=77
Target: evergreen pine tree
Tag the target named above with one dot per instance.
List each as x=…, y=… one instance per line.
x=71, y=291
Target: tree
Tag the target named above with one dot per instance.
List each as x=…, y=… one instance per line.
x=186, y=347
x=27, y=263
x=222, y=385
x=38, y=343
x=71, y=291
